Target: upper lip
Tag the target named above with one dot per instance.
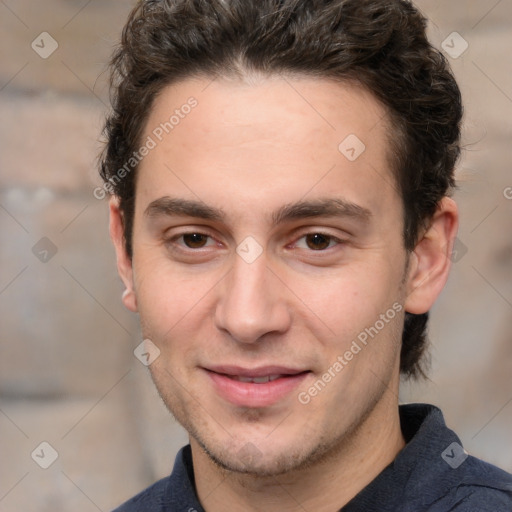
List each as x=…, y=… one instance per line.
x=261, y=371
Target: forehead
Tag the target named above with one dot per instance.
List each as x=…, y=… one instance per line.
x=274, y=137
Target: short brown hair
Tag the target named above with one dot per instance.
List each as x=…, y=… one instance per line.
x=380, y=44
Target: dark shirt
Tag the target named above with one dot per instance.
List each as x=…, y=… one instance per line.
x=432, y=473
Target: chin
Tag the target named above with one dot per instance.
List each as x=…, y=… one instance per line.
x=264, y=460
x=250, y=460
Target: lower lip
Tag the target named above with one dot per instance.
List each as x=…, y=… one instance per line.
x=249, y=394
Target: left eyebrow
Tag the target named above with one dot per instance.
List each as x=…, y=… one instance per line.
x=331, y=207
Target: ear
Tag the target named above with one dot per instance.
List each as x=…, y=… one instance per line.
x=430, y=262
x=124, y=262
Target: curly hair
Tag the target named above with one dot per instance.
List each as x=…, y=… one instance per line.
x=379, y=44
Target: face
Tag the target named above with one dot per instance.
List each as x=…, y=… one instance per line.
x=268, y=265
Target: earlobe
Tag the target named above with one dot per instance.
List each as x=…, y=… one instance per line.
x=124, y=262
x=430, y=262
x=129, y=300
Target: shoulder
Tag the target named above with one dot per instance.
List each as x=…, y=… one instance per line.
x=439, y=475
x=477, y=486
x=151, y=499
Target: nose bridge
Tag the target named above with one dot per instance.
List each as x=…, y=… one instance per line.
x=251, y=302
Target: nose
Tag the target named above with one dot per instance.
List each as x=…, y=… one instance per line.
x=252, y=302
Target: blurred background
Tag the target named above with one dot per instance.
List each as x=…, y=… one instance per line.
x=68, y=375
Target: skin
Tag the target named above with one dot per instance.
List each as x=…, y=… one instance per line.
x=248, y=149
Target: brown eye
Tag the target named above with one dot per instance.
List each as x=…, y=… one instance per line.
x=195, y=240
x=317, y=241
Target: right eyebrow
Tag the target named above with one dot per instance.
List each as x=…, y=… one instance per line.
x=182, y=207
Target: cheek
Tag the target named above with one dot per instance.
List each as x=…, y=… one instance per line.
x=166, y=295
x=352, y=297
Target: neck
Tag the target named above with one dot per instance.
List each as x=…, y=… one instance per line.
x=323, y=486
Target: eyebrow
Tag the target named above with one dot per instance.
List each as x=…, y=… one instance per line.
x=169, y=206
x=329, y=207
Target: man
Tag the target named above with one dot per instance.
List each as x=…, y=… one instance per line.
x=280, y=173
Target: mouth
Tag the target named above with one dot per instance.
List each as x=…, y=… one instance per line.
x=256, y=387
